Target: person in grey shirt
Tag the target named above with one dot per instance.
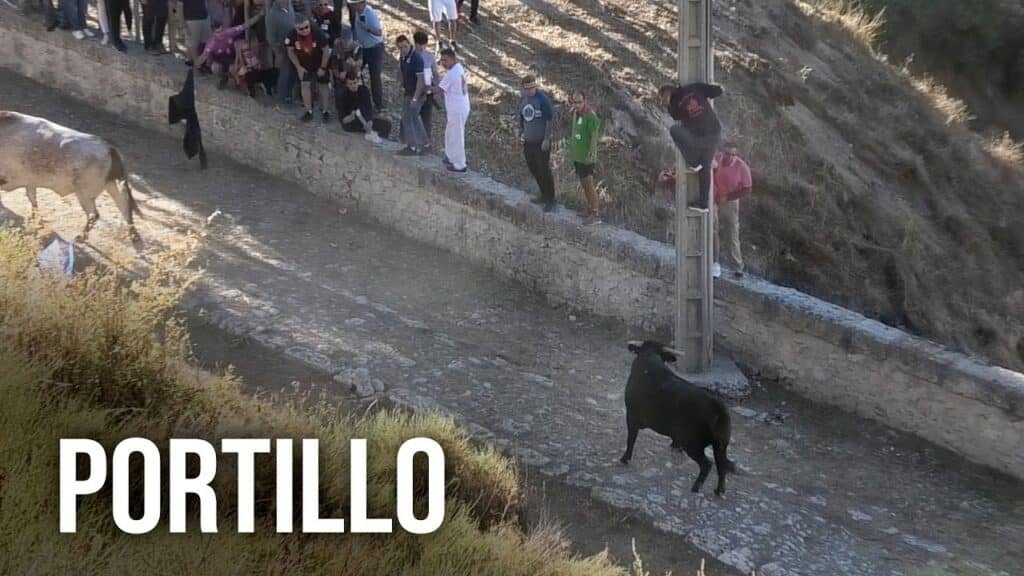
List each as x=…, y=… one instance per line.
x=536, y=119
x=280, y=21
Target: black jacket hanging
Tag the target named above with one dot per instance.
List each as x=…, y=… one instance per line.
x=182, y=106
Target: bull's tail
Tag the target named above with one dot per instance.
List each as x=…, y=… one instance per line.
x=119, y=176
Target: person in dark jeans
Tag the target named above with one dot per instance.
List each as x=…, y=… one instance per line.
x=430, y=79
x=697, y=132
x=474, y=7
x=115, y=9
x=369, y=34
x=536, y=119
x=154, y=22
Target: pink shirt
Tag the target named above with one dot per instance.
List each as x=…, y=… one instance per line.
x=223, y=41
x=731, y=179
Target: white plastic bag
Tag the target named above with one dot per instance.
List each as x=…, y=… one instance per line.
x=58, y=256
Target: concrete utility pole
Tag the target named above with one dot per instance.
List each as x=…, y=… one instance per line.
x=695, y=331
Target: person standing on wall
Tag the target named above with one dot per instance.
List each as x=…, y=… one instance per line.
x=583, y=137
x=197, y=25
x=154, y=23
x=411, y=132
x=697, y=131
x=456, y=103
x=368, y=32
x=732, y=182
x=280, y=21
x=474, y=8
x=430, y=79
x=309, y=52
x=536, y=119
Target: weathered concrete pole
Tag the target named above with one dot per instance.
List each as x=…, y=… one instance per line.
x=694, y=328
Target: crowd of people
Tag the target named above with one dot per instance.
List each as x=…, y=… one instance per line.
x=335, y=49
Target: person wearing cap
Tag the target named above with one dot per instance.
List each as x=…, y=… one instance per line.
x=536, y=118
x=369, y=34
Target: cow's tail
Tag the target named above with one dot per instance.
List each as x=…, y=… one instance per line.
x=119, y=175
x=721, y=431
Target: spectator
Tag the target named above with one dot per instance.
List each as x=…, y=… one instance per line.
x=327, y=20
x=219, y=52
x=221, y=13
x=197, y=25
x=280, y=20
x=430, y=80
x=414, y=90
x=154, y=23
x=74, y=18
x=309, y=54
x=109, y=14
x=249, y=69
x=368, y=33
x=732, y=182
x=440, y=10
x=586, y=126
x=697, y=131
x=355, y=110
x=536, y=115
x=474, y=7
x=346, y=58
x=456, y=104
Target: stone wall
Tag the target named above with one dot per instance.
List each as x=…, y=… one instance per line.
x=826, y=353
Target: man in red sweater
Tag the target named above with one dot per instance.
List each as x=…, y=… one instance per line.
x=732, y=182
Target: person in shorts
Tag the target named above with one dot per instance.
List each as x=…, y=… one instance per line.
x=441, y=10
x=583, y=137
x=309, y=52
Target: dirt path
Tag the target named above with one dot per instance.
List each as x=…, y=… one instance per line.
x=827, y=493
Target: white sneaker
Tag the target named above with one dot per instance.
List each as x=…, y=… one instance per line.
x=78, y=34
x=373, y=137
x=106, y=39
x=694, y=169
x=89, y=33
x=716, y=270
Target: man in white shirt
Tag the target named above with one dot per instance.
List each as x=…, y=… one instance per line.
x=456, y=102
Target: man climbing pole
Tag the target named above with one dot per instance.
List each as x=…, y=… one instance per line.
x=697, y=131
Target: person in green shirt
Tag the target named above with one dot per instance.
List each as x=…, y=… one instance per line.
x=583, y=152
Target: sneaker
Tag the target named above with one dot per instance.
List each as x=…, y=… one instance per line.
x=538, y=200
x=307, y=116
x=78, y=34
x=88, y=33
x=716, y=270
x=326, y=115
x=373, y=138
x=591, y=219
x=444, y=158
x=452, y=168
x=694, y=169
x=120, y=47
x=106, y=40
x=549, y=206
x=408, y=151
x=474, y=19
x=738, y=273
x=455, y=46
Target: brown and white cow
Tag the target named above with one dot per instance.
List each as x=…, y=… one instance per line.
x=36, y=153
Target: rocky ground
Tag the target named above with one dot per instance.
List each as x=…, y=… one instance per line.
x=824, y=492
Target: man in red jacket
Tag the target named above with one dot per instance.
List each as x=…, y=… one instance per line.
x=732, y=182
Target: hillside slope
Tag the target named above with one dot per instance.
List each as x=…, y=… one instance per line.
x=871, y=192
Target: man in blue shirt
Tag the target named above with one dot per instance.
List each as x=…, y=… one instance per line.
x=368, y=32
x=414, y=90
x=536, y=119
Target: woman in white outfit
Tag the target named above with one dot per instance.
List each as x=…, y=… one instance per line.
x=456, y=103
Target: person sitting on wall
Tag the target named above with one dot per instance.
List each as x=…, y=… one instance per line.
x=219, y=51
x=355, y=109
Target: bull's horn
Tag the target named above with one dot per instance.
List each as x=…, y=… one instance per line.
x=673, y=351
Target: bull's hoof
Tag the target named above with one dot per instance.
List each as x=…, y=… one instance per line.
x=624, y=460
x=720, y=492
x=133, y=235
x=695, y=488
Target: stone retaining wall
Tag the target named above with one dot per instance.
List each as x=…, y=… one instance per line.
x=827, y=353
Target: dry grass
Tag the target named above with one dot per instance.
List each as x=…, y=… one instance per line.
x=851, y=15
x=1005, y=151
x=103, y=358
